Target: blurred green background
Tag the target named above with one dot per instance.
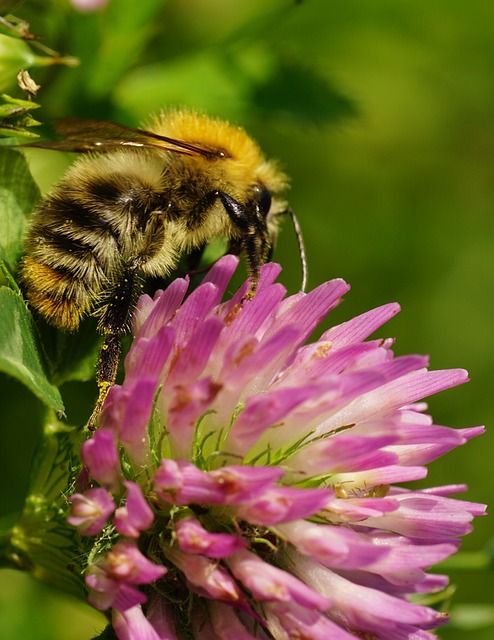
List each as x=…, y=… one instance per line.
x=382, y=114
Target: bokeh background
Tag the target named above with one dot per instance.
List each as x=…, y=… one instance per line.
x=382, y=114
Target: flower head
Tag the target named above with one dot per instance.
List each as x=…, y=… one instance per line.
x=257, y=478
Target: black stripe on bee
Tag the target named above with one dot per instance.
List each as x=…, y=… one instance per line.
x=125, y=196
x=104, y=190
x=69, y=214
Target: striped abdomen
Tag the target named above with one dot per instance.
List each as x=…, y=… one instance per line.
x=81, y=241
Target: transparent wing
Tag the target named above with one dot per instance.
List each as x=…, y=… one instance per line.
x=100, y=136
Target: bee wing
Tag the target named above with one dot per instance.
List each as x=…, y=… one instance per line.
x=101, y=136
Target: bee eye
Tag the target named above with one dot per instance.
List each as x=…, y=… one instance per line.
x=263, y=200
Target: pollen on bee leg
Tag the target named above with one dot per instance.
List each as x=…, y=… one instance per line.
x=236, y=309
x=254, y=282
x=104, y=387
x=106, y=374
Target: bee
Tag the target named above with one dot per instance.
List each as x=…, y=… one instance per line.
x=132, y=206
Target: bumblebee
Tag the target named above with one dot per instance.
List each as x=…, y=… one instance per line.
x=132, y=206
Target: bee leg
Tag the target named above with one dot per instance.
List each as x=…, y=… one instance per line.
x=106, y=374
x=254, y=235
x=114, y=322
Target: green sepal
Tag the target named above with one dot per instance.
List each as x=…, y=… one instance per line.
x=41, y=541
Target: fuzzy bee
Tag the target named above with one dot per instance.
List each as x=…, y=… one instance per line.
x=132, y=206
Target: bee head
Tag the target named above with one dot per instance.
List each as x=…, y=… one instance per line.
x=255, y=224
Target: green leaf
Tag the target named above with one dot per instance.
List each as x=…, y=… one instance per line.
x=7, y=276
x=20, y=352
x=72, y=356
x=18, y=196
x=21, y=355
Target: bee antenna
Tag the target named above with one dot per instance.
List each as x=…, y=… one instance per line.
x=301, y=247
